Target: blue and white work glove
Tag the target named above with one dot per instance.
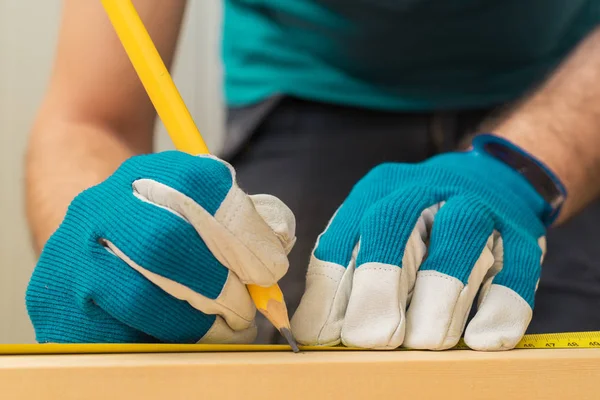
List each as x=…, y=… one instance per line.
x=403, y=258
x=160, y=252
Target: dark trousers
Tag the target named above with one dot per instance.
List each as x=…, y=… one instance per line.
x=311, y=154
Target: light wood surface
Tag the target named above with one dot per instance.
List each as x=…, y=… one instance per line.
x=513, y=375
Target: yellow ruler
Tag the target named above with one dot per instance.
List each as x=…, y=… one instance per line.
x=570, y=340
x=567, y=340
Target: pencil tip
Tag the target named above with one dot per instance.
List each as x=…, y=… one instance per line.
x=287, y=334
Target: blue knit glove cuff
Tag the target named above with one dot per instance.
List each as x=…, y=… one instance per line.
x=540, y=176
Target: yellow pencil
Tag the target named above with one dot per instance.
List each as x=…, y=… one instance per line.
x=180, y=126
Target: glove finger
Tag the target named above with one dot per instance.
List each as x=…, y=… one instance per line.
x=168, y=252
x=279, y=218
x=203, y=190
x=507, y=306
x=393, y=236
x=458, y=259
x=61, y=310
x=104, y=300
x=319, y=316
x=148, y=308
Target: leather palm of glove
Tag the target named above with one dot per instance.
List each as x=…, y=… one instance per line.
x=402, y=260
x=163, y=228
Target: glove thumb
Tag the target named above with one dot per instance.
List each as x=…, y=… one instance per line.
x=279, y=217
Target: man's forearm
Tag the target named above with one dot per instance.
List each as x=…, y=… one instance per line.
x=560, y=125
x=63, y=159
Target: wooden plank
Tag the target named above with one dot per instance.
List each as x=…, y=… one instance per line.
x=513, y=375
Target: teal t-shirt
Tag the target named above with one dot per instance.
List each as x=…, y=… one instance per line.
x=397, y=54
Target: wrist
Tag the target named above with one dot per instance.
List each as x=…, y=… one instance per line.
x=568, y=149
x=61, y=162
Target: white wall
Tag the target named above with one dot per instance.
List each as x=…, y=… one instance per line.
x=28, y=30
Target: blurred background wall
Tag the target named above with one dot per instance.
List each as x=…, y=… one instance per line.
x=28, y=32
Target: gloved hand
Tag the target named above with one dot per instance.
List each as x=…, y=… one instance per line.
x=403, y=258
x=160, y=252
